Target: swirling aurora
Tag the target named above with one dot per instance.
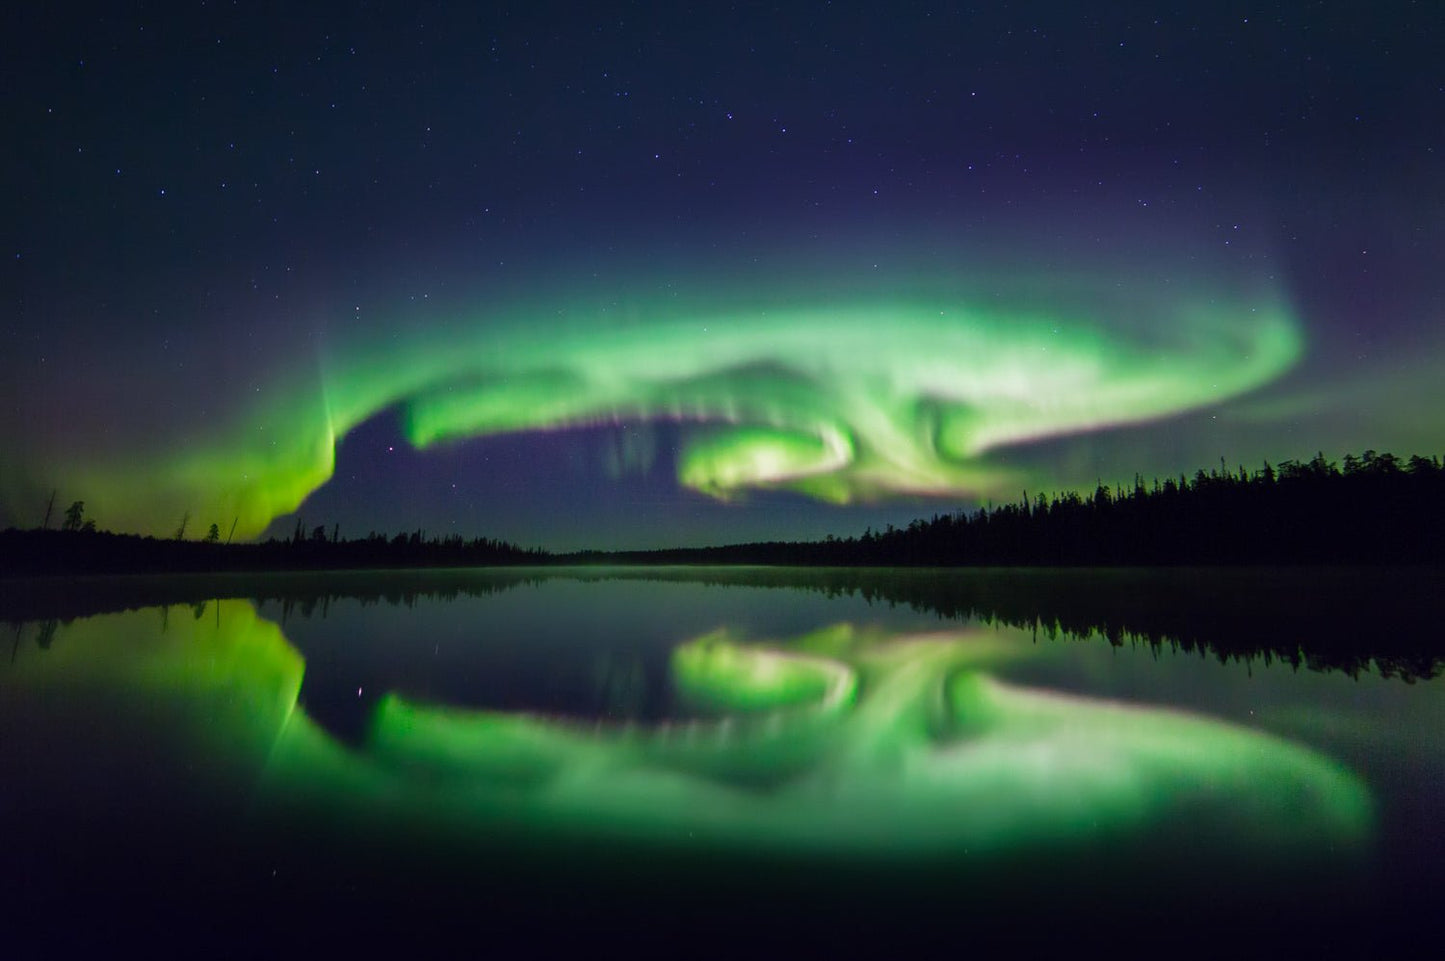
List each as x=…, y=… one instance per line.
x=846, y=401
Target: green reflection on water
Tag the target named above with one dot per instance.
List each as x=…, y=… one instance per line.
x=197, y=696
x=845, y=742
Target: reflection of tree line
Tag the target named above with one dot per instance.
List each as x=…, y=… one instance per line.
x=298, y=593
x=46, y=628
x=317, y=603
x=1321, y=619
x=1377, y=509
x=44, y=635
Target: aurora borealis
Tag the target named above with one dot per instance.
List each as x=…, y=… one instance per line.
x=843, y=403
x=647, y=277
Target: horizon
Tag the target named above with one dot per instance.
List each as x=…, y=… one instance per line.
x=299, y=529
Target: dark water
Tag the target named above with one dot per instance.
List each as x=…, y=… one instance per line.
x=760, y=756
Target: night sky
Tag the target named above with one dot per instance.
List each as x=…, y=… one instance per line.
x=634, y=275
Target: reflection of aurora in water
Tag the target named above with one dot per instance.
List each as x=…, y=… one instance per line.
x=841, y=742
x=853, y=400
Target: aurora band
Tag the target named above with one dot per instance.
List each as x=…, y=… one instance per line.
x=857, y=399
x=843, y=742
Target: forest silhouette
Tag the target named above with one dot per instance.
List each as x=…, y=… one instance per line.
x=78, y=551
x=1377, y=509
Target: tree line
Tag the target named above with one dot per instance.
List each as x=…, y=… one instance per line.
x=85, y=550
x=1374, y=509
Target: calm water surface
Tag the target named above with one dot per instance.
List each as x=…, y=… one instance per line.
x=760, y=753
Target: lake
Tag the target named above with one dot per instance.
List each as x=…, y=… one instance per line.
x=730, y=754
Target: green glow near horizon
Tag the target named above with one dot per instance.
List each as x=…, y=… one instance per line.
x=861, y=399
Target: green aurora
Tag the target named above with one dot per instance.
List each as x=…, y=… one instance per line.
x=855, y=399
